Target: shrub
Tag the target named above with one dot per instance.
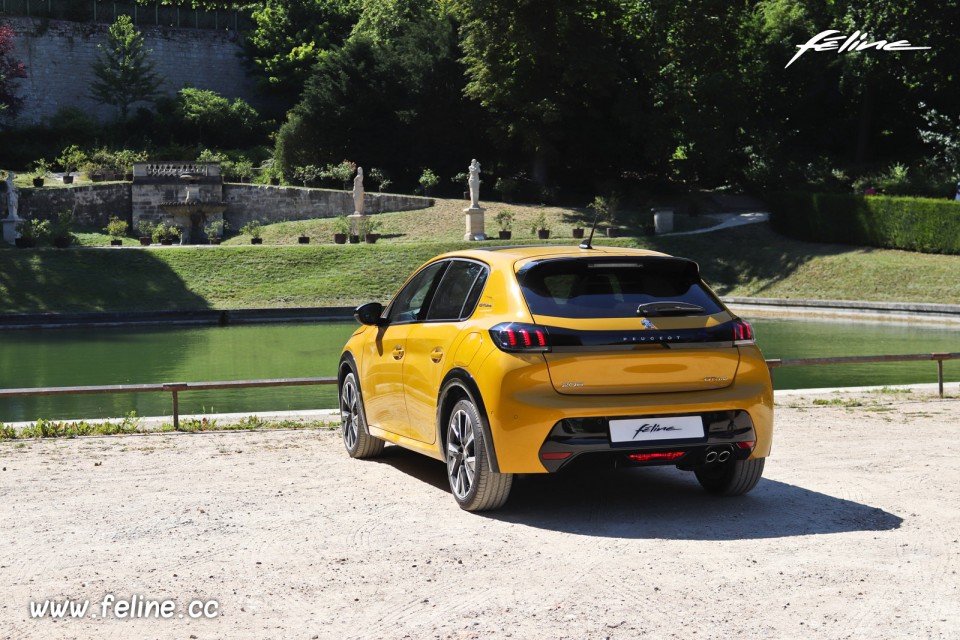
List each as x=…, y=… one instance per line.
x=913, y=224
x=504, y=219
x=428, y=180
x=253, y=229
x=116, y=228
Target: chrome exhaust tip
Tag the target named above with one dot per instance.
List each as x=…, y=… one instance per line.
x=710, y=457
x=723, y=456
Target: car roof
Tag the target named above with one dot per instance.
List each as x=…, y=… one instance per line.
x=509, y=255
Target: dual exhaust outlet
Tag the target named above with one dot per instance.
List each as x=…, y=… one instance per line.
x=717, y=454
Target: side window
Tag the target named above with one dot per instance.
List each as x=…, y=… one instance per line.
x=474, y=297
x=457, y=285
x=408, y=306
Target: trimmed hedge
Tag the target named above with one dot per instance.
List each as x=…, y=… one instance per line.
x=913, y=224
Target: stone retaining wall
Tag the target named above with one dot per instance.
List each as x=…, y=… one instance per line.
x=267, y=204
x=92, y=205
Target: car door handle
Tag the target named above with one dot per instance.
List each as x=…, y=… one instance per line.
x=436, y=355
x=397, y=352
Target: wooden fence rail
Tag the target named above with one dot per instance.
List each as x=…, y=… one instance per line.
x=176, y=388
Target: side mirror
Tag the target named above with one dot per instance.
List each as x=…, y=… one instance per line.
x=368, y=313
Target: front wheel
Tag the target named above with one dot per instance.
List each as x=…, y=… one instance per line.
x=730, y=478
x=475, y=487
x=353, y=423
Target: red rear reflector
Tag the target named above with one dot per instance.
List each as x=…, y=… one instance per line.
x=661, y=455
x=746, y=445
x=556, y=455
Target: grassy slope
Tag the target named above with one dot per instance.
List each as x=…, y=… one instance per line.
x=748, y=261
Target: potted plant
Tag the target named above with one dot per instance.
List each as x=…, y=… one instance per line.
x=462, y=179
x=504, y=220
x=145, y=228
x=368, y=230
x=302, y=237
x=116, y=229
x=253, y=229
x=161, y=234
x=342, y=172
x=270, y=173
x=39, y=173
x=428, y=180
x=175, y=233
x=380, y=179
x=71, y=158
x=214, y=231
x=540, y=226
x=125, y=159
x=341, y=229
x=243, y=169
x=31, y=231
x=506, y=187
x=61, y=230
x=308, y=174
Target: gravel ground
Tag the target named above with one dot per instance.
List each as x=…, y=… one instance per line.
x=853, y=533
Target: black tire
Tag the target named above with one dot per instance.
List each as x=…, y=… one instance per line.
x=474, y=486
x=731, y=478
x=353, y=421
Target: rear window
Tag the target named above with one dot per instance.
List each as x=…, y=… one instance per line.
x=614, y=287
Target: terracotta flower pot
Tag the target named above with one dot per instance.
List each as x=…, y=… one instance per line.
x=144, y=241
x=506, y=235
x=371, y=238
x=340, y=238
x=256, y=240
x=578, y=233
x=543, y=234
x=67, y=179
x=613, y=232
x=354, y=239
x=116, y=243
x=304, y=239
x=275, y=182
x=214, y=240
x=38, y=182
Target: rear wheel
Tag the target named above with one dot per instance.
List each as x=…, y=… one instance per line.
x=353, y=423
x=730, y=478
x=475, y=487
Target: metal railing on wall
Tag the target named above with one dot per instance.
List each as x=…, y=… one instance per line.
x=153, y=14
x=176, y=388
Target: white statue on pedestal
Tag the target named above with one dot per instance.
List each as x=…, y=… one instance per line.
x=474, y=183
x=13, y=198
x=358, y=193
x=9, y=225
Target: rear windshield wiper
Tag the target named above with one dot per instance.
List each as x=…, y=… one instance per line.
x=668, y=308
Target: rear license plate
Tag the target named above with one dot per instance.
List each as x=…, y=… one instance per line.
x=652, y=429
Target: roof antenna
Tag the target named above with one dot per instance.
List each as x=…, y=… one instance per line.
x=589, y=242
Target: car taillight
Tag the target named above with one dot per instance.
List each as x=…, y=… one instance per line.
x=519, y=336
x=742, y=332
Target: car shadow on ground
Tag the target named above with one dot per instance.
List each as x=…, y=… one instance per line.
x=660, y=502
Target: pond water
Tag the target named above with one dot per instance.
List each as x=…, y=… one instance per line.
x=87, y=357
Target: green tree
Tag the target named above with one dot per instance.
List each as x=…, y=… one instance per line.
x=216, y=120
x=124, y=72
x=291, y=36
x=395, y=83
x=11, y=70
x=555, y=77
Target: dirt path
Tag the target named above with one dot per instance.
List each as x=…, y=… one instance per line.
x=853, y=533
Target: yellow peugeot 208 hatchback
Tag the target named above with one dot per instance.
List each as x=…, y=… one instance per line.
x=528, y=359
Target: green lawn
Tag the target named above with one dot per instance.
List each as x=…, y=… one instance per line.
x=746, y=261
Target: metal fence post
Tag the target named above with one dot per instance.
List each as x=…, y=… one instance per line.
x=176, y=413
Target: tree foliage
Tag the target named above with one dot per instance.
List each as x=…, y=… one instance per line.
x=11, y=70
x=292, y=36
x=124, y=72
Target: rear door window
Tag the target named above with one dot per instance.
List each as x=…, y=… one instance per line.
x=456, y=291
x=616, y=288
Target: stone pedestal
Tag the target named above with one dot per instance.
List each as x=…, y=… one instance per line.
x=663, y=220
x=474, y=219
x=356, y=220
x=10, y=230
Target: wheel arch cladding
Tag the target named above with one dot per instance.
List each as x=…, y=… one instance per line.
x=458, y=384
